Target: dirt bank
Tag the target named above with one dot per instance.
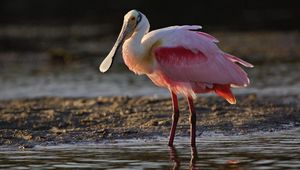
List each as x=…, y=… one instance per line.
x=27, y=122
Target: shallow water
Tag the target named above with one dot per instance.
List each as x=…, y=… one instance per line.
x=277, y=150
x=84, y=80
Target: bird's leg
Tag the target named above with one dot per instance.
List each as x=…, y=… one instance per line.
x=192, y=121
x=175, y=117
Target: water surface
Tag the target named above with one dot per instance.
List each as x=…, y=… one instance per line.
x=38, y=79
x=278, y=150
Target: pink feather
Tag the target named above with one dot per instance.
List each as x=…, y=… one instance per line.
x=192, y=63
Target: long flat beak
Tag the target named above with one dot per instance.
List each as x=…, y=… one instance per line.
x=107, y=62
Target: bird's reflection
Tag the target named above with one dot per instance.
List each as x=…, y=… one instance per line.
x=174, y=157
x=194, y=157
x=231, y=164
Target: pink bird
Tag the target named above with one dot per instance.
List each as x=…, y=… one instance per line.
x=179, y=58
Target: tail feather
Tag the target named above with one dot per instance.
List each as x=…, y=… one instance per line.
x=236, y=59
x=210, y=37
x=224, y=91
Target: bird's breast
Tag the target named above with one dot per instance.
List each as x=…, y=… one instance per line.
x=139, y=63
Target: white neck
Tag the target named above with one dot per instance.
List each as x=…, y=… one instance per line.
x=134, y=43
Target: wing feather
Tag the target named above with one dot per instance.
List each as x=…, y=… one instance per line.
x=189, y=56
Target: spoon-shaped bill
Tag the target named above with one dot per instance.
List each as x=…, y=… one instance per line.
x=107, y=62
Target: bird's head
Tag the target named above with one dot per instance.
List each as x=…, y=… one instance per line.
x=133, y=21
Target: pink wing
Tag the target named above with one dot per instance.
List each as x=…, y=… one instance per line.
x=189, y=56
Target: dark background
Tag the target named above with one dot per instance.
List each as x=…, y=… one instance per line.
x=54, y=47
x=213, y=14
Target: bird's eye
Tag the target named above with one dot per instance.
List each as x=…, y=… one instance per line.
x=133, y=18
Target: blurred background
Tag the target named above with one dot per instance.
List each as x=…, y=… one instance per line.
x=54, y=48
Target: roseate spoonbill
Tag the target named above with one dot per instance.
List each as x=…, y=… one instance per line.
x=180, y=58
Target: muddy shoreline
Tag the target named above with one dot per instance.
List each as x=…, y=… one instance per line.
x=54, y=120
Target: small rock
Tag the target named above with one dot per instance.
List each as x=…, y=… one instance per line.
x=252, y=97
x=164, y=123
x=214, y=107
x=7, y=142
x=27, y=137
x=57, y=130
x=154, y=123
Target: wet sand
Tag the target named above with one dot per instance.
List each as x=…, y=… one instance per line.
x=54, y=120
